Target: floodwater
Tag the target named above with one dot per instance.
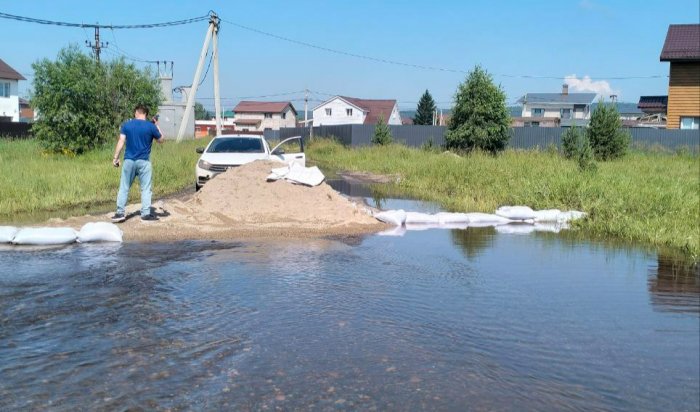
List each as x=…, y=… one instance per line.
x=433, y=320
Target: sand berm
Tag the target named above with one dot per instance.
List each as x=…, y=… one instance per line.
x=241, y=203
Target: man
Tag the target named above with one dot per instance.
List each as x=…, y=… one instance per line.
x=138, y=134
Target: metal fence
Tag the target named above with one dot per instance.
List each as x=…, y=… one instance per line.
x=521, y=137
x=14, y=130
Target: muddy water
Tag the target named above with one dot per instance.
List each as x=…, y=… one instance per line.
x=433, y=320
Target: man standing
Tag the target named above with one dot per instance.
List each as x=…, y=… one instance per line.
x=138, y=133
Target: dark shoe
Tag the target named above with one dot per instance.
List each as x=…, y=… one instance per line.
x=149, y=218
x=118, y=218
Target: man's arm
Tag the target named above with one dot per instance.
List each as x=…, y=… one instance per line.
x=118, y=149
x=160, y=139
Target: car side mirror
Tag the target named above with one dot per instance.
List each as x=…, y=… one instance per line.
x=199, y=150
x=279, y=151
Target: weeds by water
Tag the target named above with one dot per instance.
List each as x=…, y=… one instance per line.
x=650, y=198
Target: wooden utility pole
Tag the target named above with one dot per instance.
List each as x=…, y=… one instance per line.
x=98, y=45
x=306, y=107
x=212, y=31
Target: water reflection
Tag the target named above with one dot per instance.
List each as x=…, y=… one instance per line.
x=674, y=286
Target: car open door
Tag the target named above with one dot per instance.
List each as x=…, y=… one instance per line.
x=278, y=153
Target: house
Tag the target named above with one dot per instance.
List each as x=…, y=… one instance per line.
x=9, y=93
x=257, y=117
x=555, y=109
x=350, y=110
x=26, y=113
x=654, y=110
x=682, y=50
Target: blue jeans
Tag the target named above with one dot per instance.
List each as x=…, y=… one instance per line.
x=131, y=169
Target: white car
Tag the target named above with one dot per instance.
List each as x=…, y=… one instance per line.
x=226, y=151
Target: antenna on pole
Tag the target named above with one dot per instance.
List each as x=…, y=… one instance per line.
x=212, y=32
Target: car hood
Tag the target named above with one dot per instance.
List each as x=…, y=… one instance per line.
x=232, y=158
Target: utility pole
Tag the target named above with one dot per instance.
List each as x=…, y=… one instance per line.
x=215, y=56
x=306, y=107
x=211, y=31
x=98, y=45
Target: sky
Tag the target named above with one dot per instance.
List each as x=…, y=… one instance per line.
x=607, y=47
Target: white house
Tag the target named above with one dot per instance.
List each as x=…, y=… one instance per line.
x=9, y=93
x=555, y=109
x=260, y=116
x=350, y=110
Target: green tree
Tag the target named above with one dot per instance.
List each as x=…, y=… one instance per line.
x=584, y=157
x=81, y=103
x=480, y=118
x=608, y=139
x=200, y=113
x=382, y=133
x=425, y=110
x=571, y=141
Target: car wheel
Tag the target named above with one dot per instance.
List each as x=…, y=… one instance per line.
x=197, y=187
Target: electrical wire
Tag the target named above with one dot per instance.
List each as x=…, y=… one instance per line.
x=104, y=26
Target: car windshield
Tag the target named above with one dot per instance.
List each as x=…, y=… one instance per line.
x=236, y=145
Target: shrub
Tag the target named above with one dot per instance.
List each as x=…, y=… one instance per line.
x=81, y=103
x=608, y=139
x=480, y=118
x=570, y=141
x=382, y=133
x=584, y=155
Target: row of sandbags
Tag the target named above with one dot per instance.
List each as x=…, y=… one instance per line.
x=503, y=216
x=90, y=232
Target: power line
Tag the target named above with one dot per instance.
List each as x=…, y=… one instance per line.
x=103, y=26
x=415, y=66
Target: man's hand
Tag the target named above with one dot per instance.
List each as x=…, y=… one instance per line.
x=115, y=162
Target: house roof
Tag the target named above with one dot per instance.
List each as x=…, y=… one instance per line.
x=653, y=102
x=7, y=72
x=262, y=107
x=569, y=98
x=682, y=43
x=621, y=107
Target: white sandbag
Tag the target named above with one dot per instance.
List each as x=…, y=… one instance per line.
x=278, y=173
x=565, y=217
x=515, y=229
x=99, y=232
x=393, y=217
x=516, y=212
x=447, y=218
x=310, y=176
x=395, y=231
x=549, y=215
x=486, y=219
x=421, y=218
x=7, y=233
x=45, y=236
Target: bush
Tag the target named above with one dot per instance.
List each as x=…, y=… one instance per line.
x=81, y=103
x=480, y=118
x=382, y=133
x=584, y=157
x=570, y=141
x=608, y=139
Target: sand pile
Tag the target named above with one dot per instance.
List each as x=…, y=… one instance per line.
x=241, y=203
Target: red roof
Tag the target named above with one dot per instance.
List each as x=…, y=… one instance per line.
x=682, y=43
x=7, y=72
x=262, y=107
x=373, y=108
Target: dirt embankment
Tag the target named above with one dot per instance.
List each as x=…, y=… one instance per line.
x=241, y=203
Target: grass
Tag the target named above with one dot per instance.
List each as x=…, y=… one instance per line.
x=647, y=198
x=33, y=181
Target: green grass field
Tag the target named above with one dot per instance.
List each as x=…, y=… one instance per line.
x=647, y=198
x=34, y=181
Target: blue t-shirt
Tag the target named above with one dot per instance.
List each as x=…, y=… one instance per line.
x=139, y=138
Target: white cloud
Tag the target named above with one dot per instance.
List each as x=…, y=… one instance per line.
x=585, y=84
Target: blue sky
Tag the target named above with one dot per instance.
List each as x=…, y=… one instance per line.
x=601, y=39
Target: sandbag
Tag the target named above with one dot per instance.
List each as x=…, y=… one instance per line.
x=549, y=215
x=485, y=219
x=516, y=212
x=421, y=218
x=565, y=217
x=447, y=218
x=393, y=217
x=99, y=232
x=45, y=236
x=7, y=233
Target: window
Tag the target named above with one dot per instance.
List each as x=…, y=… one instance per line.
x=284, y=115
x=690, y=122
x=268, y=115
x=348, y=112
x=537, y=112
x=236, y=145
x=329, y=112
x=565, y=113
x=4, y=89
x=532, y=124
